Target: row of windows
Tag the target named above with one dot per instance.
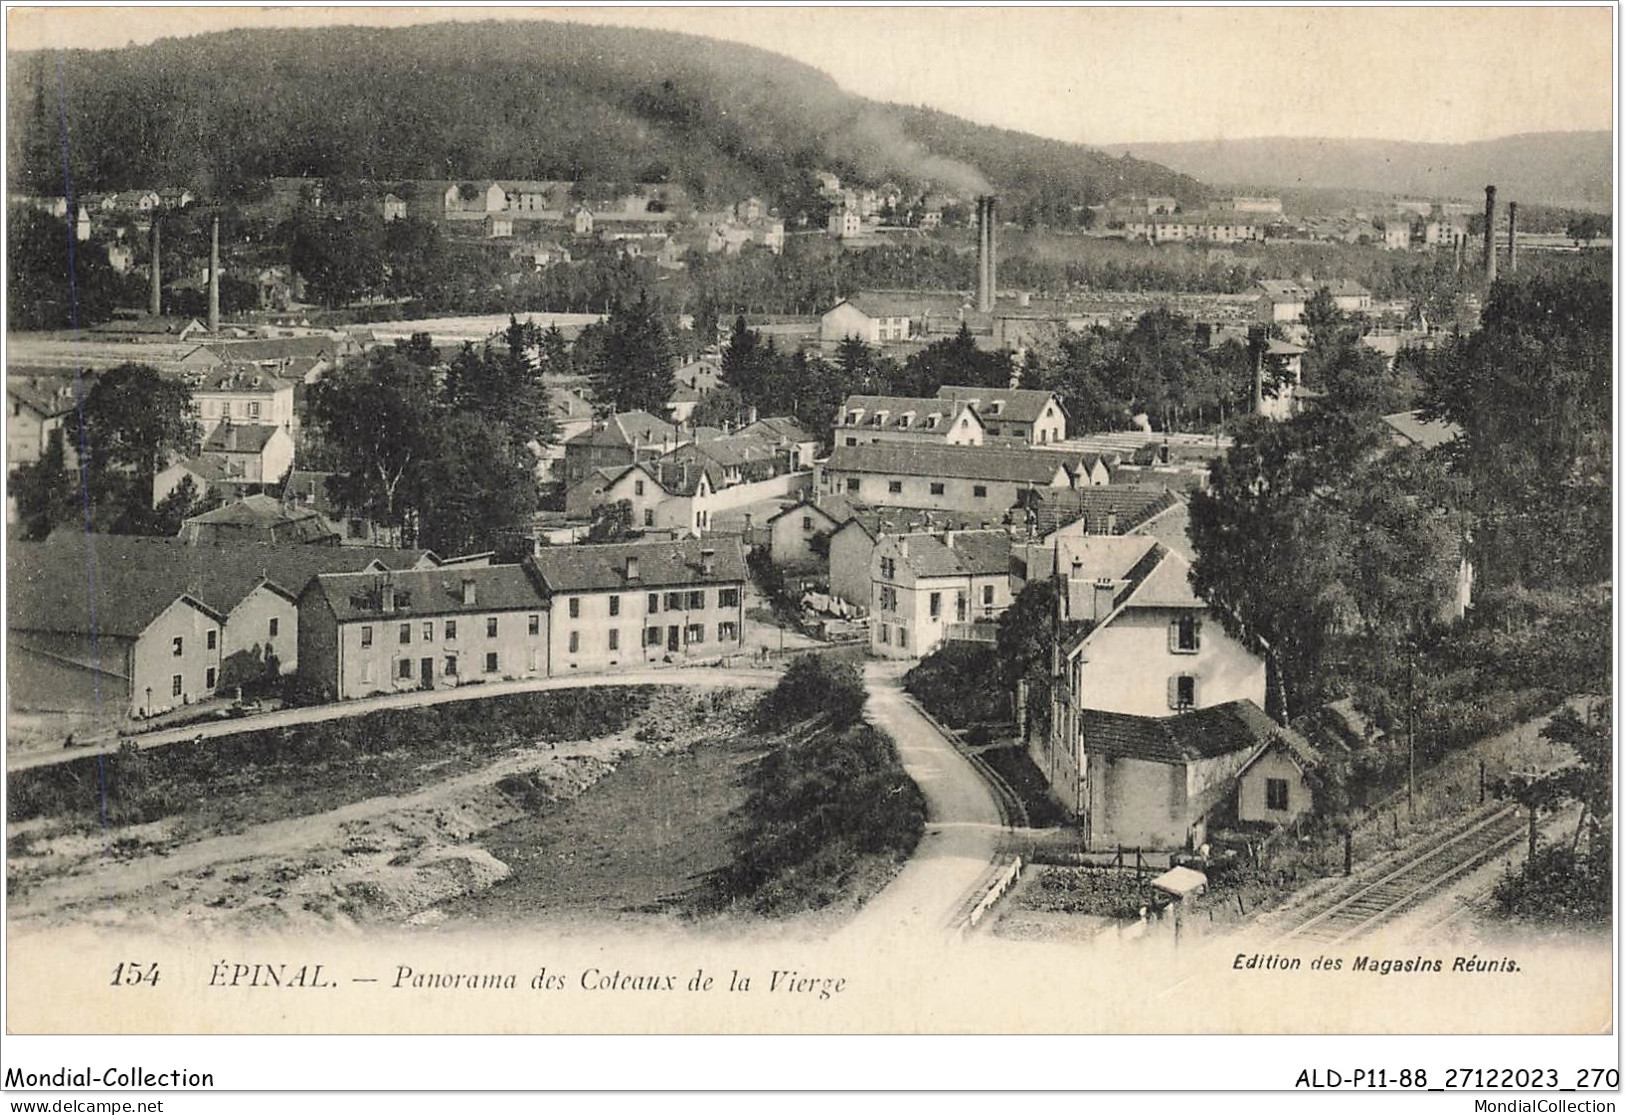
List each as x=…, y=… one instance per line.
x=533, y=625
x=895, y=487
x=404, y=667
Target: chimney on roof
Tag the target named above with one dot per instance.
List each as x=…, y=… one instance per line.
x=214, y=276
x=1111, y=522
x=1512, y=238
x=1105, y=596
x=948, y=537
x=708, y=562
x=631, y=567
x=468, y=591
x=386, y=598
x=155, y=295
x=1489, y=235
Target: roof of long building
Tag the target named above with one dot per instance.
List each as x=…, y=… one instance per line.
x=424, y=592
x=1020, y=466
x=590, y=568
x=117, y=584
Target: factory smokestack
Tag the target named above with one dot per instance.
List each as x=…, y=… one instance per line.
x=1489, y=235
x=1512, y=238
x=155, y=297
x=987, y=273
x=214, y=276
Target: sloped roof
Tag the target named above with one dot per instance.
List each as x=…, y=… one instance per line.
x=635, y=427
x=1186, y=737
x=115, y=585
x=967, y=462
x=264, y=350
x=901, y=413
x=45, y=396
x=1007, y=404
x=968, y=553
x=777, y=427
x=428, y=592
x=230, y=438
x=1050, y=509
x=247, y=379
x=660, y=564
x=1408, y=425
x=905, y=303
x=1300, y=749
x=874, y=521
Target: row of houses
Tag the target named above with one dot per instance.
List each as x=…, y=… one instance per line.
x=128, y=626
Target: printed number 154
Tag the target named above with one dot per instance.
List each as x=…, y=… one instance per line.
x=130, y=974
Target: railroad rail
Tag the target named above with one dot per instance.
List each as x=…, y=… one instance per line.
x=1412, y=881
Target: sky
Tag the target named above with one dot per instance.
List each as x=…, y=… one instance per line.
x=1102, y=76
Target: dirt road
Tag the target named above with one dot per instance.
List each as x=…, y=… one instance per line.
x=962, y=828
x=282, y=718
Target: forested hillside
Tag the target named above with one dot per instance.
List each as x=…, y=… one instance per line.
x=220, y=113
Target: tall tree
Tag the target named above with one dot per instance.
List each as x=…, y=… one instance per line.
x=380, y=420
x=132, y=422
x=634, y=369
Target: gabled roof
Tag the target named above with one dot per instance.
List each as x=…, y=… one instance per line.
x=1299, y=749
x=787, y=429
x=230, y=438
x=1007, y=404
x=956, y=553
x=1124, y=506
x=901, y=414
x=115, y=585
x=968, y=462
x=427, y=592
x=634, y=428
x=47, y=399
x=265, y=350
x=1408, y=426
x=1147, y=574
x=1187, y=737
x=875, y=521
x=833, y=509
x=660, y=565
x=245, y=379
x=906, y=303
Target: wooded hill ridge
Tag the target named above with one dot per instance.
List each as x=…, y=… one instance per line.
x=218, y=113
x=1572, y=169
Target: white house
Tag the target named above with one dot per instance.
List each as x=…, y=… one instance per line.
x=923, y=585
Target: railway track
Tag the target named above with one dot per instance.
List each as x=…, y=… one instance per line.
x=1410, y=882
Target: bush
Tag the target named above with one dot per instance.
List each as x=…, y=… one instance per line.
x=818, y=810
x=1560, y=888
x=959, y=685
x=813, y=686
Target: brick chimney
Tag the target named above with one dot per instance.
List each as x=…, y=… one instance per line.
x=469, y=595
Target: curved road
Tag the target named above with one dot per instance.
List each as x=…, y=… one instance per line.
x=963, y=828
